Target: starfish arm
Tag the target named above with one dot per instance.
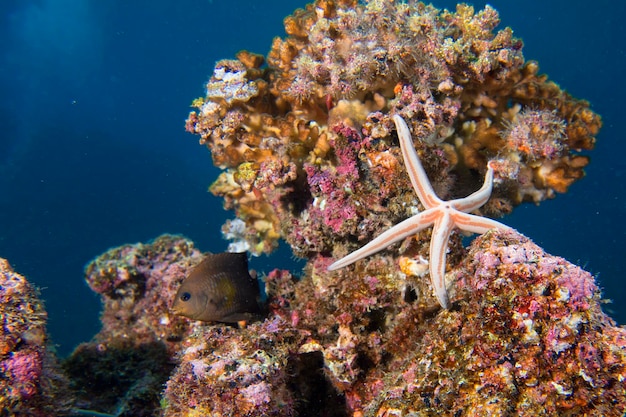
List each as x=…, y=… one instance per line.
x=476, y=224
x=437, y=263
x=400, y=231
x=414, y=167
x=477, y=198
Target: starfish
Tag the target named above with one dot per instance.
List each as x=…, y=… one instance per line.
x=444, y=216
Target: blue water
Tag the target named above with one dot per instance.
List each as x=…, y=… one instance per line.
x=93, y=153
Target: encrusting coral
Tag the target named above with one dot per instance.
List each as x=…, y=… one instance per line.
x=31, y=381
x=305, y=136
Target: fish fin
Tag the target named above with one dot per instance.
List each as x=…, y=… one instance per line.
x=225, y=261
x=240, y=317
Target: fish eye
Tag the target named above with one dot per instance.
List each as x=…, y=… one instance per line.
x=185, y=296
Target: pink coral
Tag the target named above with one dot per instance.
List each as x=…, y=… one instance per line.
x=25, y=369
x=31, y=381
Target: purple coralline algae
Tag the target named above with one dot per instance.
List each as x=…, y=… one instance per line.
x=240, y=372
x=137, y=284
x=31, y=381
x=527, y=337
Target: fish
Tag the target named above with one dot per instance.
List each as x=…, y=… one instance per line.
x=219, y=289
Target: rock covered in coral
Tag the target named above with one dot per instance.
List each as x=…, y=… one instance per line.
x=123, y=368
x=226, y=371
x=31, y=382
x=525, y=336
x=269, y=368
x=137, y=284
x=307, y=144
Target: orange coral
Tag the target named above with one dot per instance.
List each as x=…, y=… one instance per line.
x=340, y=72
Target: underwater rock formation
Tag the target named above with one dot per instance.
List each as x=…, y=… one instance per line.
x=31, y=381
x=305, y=137
x=525, y=336
x=226, y=371
x=309, y=154
x=137, y=284
x=122, y=370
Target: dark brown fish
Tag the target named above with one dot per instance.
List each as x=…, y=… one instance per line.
x=220, y=289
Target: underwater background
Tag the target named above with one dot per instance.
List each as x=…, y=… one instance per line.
x=93, y=152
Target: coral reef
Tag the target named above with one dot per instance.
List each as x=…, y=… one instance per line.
x=309, y=153
x=31, y=381
x=305, y=137
x=123, y=368
x=270, y=368
x=526, y=336
x=137, y=283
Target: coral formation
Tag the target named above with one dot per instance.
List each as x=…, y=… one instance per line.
x=137, y=283
x=271, y=368
x=230, y=372
x=31, y=382
x=527, y=337
x=123, y=368
x=305, y=138
x=309, y=153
